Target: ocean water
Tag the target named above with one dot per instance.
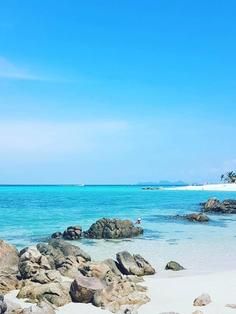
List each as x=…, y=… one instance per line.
x=30, y=214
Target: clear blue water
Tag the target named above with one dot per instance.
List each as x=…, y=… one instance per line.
x=29, y=214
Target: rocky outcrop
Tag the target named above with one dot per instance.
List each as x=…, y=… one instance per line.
x=122, y=296
x=113, y=229
x=71, y=233
x=213, y=205
x=55, y=293
x=83, y=289
x=34, y=266
x=133, y=264
x=197, y=217
x=203, y=300
x=8, y=267
x=172, y=265
x=63, y=256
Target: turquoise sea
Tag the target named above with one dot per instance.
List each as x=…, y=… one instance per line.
x=29, y=214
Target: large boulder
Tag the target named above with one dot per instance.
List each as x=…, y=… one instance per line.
x=9, y=258
x=83, y=289
x=64, y=257
x=133, y=264
x=121, y=296
x=55, y=293
x=106, y=228
x=215, y=206
x=35, y=266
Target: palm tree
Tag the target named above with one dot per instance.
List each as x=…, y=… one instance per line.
x=229, y=177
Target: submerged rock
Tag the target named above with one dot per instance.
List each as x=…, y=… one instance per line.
x=172, y=265
x=199, y=217
x=203, y=300
x=215, y=206
x=106, y=228
x=133, y=264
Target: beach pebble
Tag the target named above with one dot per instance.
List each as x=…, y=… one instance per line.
x=203, y=300
x=198, y=312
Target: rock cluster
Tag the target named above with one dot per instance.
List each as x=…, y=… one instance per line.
x=41, y=275
x=215, y=206
x=197, y=217
x=106, y=228
x=71, y=233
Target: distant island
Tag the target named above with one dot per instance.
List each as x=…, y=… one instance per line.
x=164, y=182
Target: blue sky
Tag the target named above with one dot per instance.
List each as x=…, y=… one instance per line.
x=117, y=91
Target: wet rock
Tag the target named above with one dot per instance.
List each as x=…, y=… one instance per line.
x=3, y=305
x=113, y=229
x=215, y=206
x=83, y=289
x=55, y=293
x=199, y=217
x=203, y=300
x=172, y=265
x=8, y=267
x=133, y=264
x=71, y=233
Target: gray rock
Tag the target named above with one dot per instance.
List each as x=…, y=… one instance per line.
x=133, y=264
x=83, y=289
x=112, y=229
x=41, y=308
x=203, y=300
x=3, y=305
x=199, y=217
x=55, y=293
x=172, y=265
x=215, y=206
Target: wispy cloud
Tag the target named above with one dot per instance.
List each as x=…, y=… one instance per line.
x=10, y=70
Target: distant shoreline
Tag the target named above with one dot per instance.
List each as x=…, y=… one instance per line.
x=231, y=187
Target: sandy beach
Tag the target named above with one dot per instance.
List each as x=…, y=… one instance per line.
x=172, y=294
x=231, y=187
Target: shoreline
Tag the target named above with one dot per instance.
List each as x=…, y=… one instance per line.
x=224, y=187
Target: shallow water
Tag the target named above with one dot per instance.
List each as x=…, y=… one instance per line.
x=29, y=214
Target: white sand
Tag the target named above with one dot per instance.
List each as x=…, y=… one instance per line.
x=175, y=294
x=206, y=187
